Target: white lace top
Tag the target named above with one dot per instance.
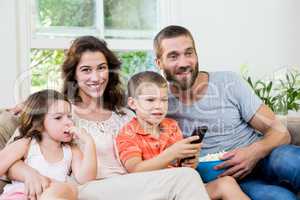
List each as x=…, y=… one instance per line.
x=104, y=133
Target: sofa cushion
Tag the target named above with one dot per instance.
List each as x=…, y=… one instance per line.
x=293, y=125
x=8, y=125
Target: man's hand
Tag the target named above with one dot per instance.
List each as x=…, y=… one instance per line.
x=35, y=184
x=239, y=162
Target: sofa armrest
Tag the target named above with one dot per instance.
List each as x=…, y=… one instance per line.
x=8, y=125
x=293, y=125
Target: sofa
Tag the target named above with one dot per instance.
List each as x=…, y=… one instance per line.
x=9, y=122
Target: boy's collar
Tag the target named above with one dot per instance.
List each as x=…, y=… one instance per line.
x=139, y=129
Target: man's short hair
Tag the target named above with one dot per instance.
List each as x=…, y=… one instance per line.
x=169, y=32
x=145, y=77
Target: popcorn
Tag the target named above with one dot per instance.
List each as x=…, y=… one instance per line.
x=212, y=157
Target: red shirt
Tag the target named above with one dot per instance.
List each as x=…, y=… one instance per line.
x=133, y=141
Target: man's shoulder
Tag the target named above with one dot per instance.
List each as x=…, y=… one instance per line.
x=223, y=76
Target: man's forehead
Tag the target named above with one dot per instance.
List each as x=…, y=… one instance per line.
x=177, y=43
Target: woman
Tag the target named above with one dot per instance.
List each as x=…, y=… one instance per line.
x=92, y=83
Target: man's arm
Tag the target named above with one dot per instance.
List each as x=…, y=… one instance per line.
x=241, y=161
x=274, y=132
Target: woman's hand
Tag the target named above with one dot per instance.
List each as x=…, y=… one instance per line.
x=35, y=184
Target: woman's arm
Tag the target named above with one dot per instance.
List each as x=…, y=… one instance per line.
x=11, y=153
x=84, y=164
x=35, y=183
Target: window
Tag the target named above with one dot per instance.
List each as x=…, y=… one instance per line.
x=45, y=69
x=48, y=26
x=130, y=19
x=109, y=19
x=46, y=64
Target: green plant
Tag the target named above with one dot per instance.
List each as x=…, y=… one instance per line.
x=280, y=95
x=134, y=62
x=263, y=90
x=291, y=90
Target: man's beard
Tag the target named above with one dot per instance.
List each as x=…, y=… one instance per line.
x=182, y=85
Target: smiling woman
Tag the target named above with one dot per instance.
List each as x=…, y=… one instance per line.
x=92, y=74
x=90, y=77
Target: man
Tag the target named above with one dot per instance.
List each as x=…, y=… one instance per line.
x=239, y=123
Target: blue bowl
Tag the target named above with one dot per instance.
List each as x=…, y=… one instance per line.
x=207, y=171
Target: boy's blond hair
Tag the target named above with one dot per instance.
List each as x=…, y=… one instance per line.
x=145, y=77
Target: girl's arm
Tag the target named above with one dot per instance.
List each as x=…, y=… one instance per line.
x=84, y=163
x=11, y=153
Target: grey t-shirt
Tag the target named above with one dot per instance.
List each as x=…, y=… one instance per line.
x=226, y=109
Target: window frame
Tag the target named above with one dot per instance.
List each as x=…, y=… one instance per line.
x=168, y=13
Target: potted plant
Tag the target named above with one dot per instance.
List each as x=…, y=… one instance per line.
x=281, y=95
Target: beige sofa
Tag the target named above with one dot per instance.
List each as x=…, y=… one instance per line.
x=9, y=122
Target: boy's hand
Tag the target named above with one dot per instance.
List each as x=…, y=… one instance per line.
x=184, y=148
x=192, y=163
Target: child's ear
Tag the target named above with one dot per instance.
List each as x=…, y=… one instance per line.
x=158, y=63
x=131, y=103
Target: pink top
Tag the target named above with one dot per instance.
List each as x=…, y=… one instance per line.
x=104, y=133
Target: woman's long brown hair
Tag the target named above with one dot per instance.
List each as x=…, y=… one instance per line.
x=113, y=96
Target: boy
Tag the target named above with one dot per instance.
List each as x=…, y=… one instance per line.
x=151, y=142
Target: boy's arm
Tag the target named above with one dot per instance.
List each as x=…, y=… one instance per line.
x=11, y=153
x=131, y=154
x=136, y=164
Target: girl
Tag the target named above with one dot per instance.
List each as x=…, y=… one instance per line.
x=46, y=132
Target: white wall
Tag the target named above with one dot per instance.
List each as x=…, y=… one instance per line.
x=264, y=34
x=8, y=52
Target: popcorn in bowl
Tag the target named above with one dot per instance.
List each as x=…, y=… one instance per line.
x=206, y=166
x=212, y=157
